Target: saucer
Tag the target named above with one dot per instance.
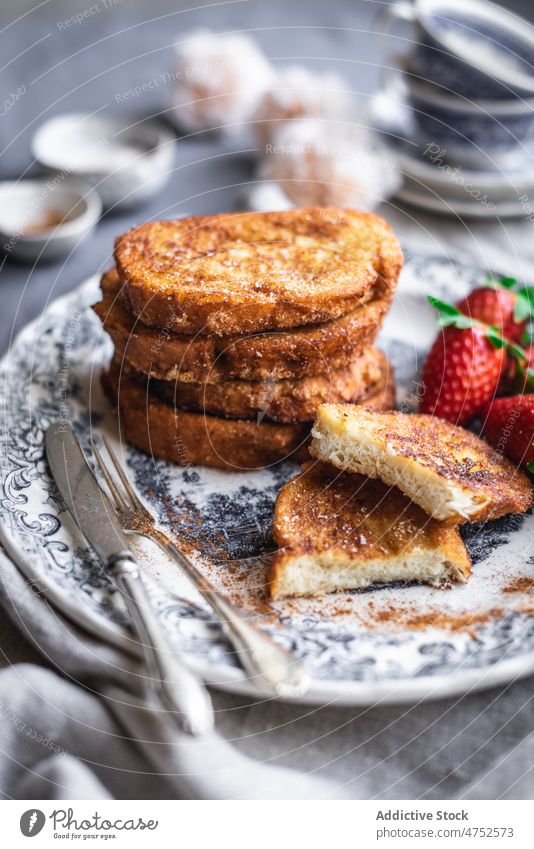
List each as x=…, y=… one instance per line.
x=432, y=183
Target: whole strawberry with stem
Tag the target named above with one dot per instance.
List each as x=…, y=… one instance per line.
x=461, y=373
x=494, y=307
x=508, y=425
x=501, y=304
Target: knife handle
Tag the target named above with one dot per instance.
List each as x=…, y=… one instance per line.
x=178, y=687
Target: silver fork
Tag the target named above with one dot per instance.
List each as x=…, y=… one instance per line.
x=267, y=664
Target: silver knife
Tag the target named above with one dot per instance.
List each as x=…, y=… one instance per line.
x=91, y=509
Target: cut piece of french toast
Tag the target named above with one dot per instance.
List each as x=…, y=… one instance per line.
x=163, y=430
x=285, y=401
x=276, y=355
x=452, y=474
x=243, y=272
x=341, y=531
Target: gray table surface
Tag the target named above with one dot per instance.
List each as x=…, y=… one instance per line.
x=126, y=43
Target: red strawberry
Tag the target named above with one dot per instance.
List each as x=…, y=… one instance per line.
x=495, y=307
x=461, y=373
x=509, y=427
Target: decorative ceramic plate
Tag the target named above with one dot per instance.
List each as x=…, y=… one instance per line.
x=399, y=643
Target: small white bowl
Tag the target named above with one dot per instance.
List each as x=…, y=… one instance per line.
x=126, y=163
x=45, y=218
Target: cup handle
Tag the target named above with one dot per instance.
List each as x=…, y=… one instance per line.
x=386, y=19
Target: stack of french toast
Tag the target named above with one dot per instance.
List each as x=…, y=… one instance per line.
x=230, y=330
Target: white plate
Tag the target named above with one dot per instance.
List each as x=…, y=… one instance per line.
x=360, y=648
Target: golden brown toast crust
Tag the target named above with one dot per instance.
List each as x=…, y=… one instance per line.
x=285, y=401
x=275, y=355
x=437, y=446
x=243, y=272
x=189, y=438
x=349, y=515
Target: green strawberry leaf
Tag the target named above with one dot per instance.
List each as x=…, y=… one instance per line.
x=462, y=322
x=495, y=338
x=450, y=316
x=443, y=306
x=530, y=466
x=521, y=310
x=517, y=352
x=524, y=381
x=491, y=282
x=524, y=304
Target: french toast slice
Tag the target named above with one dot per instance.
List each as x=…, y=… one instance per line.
x=342, y=531
x=452, y=474
x=276, y=355
x=243, y=272
x=162, y=430
x=285, y=401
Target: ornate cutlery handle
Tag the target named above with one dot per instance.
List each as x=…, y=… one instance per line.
x=271, y=666
x=178, y=687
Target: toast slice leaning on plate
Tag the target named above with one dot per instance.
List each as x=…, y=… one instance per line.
x=452, y=474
